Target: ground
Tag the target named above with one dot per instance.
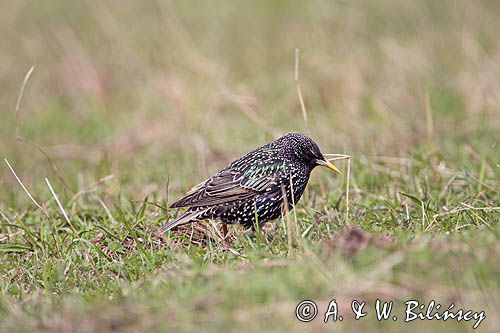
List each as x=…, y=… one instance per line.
x=130, y=104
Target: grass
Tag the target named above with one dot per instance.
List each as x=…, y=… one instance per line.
x=135, y=103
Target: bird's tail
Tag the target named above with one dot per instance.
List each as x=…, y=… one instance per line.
x=184, y=218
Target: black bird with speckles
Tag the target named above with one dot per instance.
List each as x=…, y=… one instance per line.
x=250, y=190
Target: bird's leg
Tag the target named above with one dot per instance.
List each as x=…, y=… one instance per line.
x=225, y=242
x=224, y=231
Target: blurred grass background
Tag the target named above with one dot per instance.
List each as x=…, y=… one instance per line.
x=169, y=92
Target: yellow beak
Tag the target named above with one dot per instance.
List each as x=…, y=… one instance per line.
x=329, y=166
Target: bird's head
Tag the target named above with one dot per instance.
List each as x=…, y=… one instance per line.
x=303, y=149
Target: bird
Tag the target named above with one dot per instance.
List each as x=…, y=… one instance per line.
x=260, y=186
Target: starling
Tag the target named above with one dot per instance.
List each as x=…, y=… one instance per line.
x=250, y=190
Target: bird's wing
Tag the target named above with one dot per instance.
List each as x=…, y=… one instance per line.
x=231, y=185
